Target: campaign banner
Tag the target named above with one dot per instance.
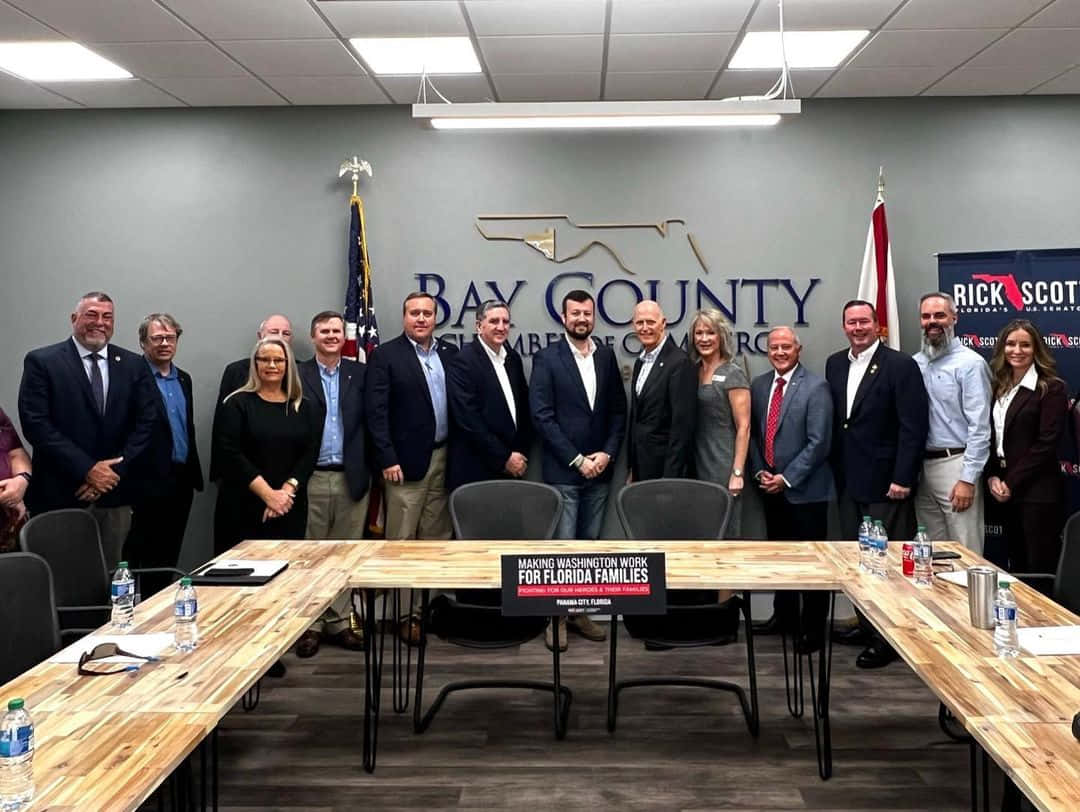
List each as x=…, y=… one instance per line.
x=584, y=583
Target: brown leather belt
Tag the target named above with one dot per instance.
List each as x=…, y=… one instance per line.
x=942, y=453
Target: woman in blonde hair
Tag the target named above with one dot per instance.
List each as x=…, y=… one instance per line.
x=723, y=416
x=269, y=444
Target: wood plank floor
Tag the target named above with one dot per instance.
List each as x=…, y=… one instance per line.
x=675, y=748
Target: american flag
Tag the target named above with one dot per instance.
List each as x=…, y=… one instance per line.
x=361, y=330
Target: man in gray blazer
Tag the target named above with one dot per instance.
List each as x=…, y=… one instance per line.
x=790, y=436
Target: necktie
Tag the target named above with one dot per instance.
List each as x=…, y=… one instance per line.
x=773, y=421
x=97, y=385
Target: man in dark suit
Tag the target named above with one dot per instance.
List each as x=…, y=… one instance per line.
x=161, y=512
x=663, y=401
x=489, y=404
x=579, y=410
x=89, y=409
x=338, y=489
x=880, y=423
x=409, y=423
x=791, y=433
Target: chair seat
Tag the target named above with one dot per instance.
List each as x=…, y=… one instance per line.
x=478, y=626
x=685, y=626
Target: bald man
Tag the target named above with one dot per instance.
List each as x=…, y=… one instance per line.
x=663, y=401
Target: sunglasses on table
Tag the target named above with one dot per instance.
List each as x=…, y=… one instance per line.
x=103, y=651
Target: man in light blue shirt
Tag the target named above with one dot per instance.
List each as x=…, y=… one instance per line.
x=949, y=502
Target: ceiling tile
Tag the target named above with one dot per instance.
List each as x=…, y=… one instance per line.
x=108, y=20
x=1066, y=83
x=252, y=19
x=16, y=26
x=879, y=81
x=678, y=16
x=460, y=88
x=22, y=94
x=231, y=91
x=119, y=93
x=152, y=60
x=757, y=82
x=328, y=89
x=658, y=85
x=650, y=52
x=810, y=15
x=388, y=18
x=969, y=81
x=1062, y=14
x=294, y=57
x=913, y=49
x=522, y=17
x=576, y=54
x=926, y=14
x=549, y=87
x=1054, y=47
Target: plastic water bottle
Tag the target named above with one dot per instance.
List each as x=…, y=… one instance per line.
x=185, y=617
x=865, y=528
x=1006, y=638
x=924, y=558
x=879, y=553
x=16, y=757
x=123, y=598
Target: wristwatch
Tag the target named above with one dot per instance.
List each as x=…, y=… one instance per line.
x=24, y=474
x=736, y=471
x=292, y=481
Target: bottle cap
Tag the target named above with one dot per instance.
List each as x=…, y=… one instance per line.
x=1003, y=584
x=123, y=565
x=185, y=581
x=15, y=704
x=921, y=528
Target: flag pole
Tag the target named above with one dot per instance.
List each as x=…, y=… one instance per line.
x=881, y=181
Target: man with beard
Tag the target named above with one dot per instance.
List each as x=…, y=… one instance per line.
x=949, y=502
x=579, y=410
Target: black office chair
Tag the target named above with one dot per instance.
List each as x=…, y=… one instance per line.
x=678, y=510
x=70, y=542
x=494, y=510
x=1063, y=586
x=29, y=632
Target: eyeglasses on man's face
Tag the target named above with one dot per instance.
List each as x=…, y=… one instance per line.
x=168, y=338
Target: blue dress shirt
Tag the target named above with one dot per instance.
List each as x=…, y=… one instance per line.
x=435, y=376
x=172, y=394
x=331, y=449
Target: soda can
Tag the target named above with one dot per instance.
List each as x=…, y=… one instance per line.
x=909, y=559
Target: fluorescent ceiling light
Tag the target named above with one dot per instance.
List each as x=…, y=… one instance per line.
x=804, y=49
x=604, y=115
x=56, y=62
x=416, y=55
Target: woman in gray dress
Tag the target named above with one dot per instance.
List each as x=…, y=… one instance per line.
x=723, y=416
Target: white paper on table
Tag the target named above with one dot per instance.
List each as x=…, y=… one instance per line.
x=261, y=568
x=1050, y=640
x=146, y=645
x=959, y=577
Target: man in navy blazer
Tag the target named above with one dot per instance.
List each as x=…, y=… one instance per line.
x=791, y=432
x=489, y=404
x=408, y=418
x=880, y=425
x=89, y=409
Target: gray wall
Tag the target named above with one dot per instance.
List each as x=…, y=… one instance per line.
x=221, y=216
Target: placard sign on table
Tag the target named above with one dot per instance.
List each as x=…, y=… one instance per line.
x=584, y=583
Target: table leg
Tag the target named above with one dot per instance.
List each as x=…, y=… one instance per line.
x=819, y=698
x=373, y=653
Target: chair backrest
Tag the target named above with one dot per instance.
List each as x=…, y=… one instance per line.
x=70, y=542
x=29, y=632
x=1067, y=582
x=505, y=509
x=674, y=509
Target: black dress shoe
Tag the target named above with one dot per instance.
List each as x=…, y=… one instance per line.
x=853, y=636
x=771, y=626
x=876, y=655
x=276, y=670
x=810, y=643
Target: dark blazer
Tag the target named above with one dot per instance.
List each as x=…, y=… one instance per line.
x=162, y=440
x=484, y=433
x=234, y=376
x=61, y=421
x=663, y=416
x=884, y=438
x=1033, y=427
x=803, y=436
x=400, y=416
x=351, y=403
x=561, y=413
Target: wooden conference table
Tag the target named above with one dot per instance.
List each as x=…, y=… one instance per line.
x=107, y=742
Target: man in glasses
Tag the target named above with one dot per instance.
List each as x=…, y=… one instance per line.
x=161, y=514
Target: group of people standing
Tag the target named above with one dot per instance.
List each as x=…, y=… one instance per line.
x=904, y=440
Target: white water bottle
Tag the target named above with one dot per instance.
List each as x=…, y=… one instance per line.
x=1006, y=638
x=123, y=598
x=864, y=543
x=185, y=617
x=16, y=757
x=924, y=558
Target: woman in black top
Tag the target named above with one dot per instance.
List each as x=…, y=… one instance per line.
x=269, y=444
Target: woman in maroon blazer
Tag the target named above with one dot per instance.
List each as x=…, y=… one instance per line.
x=1023, y=473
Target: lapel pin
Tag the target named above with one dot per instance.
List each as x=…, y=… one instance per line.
x=116, y=358
x=873, y=368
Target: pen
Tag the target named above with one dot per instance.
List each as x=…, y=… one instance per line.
x=181, y=676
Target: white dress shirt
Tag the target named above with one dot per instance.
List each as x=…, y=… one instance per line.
x=772, y=390
x=586, y=367
x=647, y=361
x=856, y=372
x=103, y=363
x=498, y=361
x=1001, y=406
